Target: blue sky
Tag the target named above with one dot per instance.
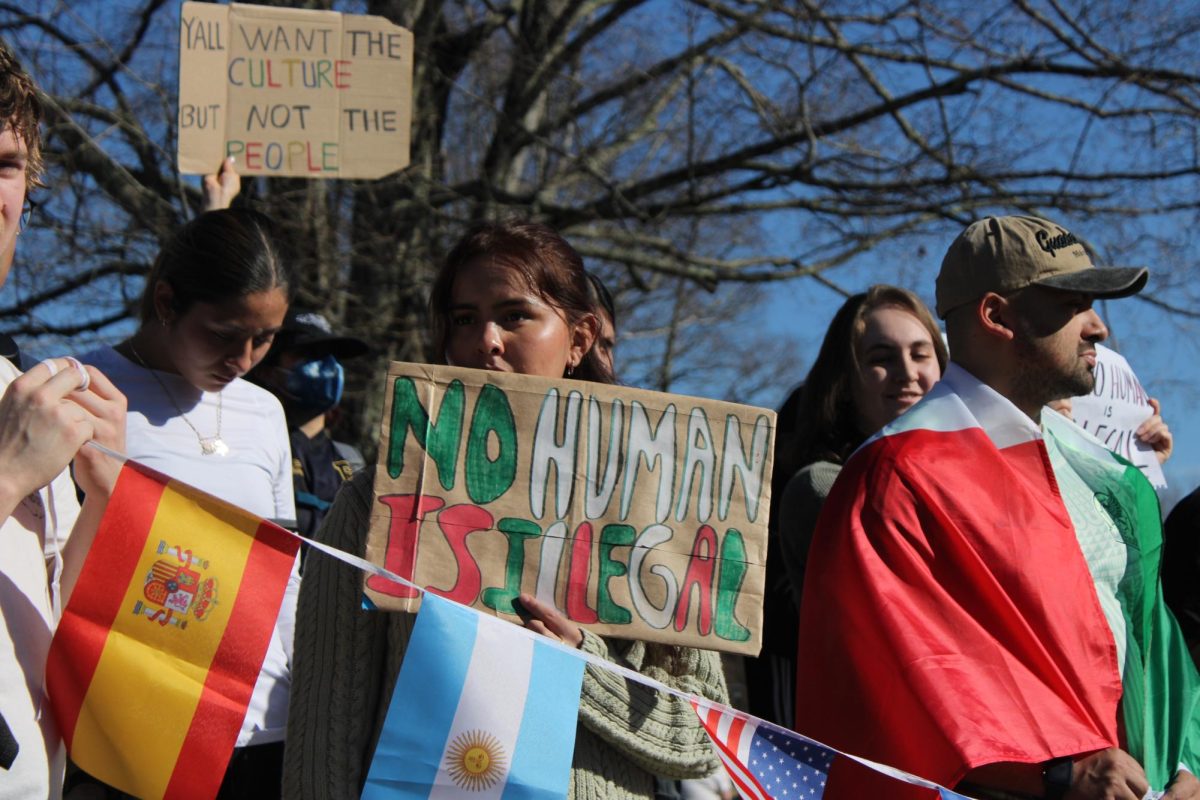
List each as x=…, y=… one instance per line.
x=1163, y=351
x=1160, y=347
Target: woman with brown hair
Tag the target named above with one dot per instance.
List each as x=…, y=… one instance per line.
x=510, y=297
x=212, y=303
x=882, y=353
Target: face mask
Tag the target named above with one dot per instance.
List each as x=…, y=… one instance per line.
x=316, y=385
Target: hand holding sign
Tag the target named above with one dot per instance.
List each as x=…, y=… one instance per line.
x=546, y=620
x=1123, y=417
x=288, y=92
x=221, y=188
x=1155, y=433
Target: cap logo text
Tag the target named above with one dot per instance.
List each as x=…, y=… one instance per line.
x=1050, y=244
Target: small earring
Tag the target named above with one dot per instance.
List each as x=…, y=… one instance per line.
x=570, y=370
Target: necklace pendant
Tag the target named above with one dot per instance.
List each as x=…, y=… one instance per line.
x=214, y=446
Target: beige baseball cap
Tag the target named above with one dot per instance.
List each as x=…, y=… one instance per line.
x=1003, y=254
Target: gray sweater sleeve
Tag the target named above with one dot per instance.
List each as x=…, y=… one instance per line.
x=658, y=732
x=802, y=500
x=340, y=671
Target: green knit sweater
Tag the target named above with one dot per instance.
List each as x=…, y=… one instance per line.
x=346, y=662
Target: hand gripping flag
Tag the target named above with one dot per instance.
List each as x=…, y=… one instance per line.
x=767, y=762
x=482, y=709
x=152, y=666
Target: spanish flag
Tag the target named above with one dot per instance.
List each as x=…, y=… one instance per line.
x=152, y=666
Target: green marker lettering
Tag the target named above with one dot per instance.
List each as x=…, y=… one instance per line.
x=612, y=536
x=487, y=479
x=729, y=584
x=517, y=531
x=440, y=439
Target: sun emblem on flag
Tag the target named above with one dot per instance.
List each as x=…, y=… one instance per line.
x=475, y=760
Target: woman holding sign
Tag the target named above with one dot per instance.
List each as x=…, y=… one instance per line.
x=514, y=298
x=215, y=297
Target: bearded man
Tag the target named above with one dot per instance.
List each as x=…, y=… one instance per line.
x=982, y=604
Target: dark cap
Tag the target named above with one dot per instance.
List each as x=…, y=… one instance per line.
x=1003, y=254
x=311, y=332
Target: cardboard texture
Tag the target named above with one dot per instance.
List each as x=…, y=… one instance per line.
x=310, y=94
x=1114, y=410
x=638, y=514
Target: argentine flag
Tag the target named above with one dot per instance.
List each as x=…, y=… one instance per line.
x=482, y=709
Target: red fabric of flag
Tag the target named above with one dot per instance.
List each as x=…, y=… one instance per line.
x=930, y=640
x=154, y=661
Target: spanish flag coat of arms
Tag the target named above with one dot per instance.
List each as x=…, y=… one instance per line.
x=155, y=658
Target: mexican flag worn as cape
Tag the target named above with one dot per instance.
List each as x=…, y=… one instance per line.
x=950, y=617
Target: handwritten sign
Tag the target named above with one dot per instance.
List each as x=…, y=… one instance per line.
x=287, y=92
x=1113, y=411
x=637, y=514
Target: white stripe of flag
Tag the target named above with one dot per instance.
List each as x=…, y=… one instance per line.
x=734, y=753
x=492, y=702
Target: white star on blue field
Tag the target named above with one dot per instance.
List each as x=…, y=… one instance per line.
x=789, y=768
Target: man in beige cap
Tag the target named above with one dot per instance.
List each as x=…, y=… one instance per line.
x=1016, y=294
x=985, y=609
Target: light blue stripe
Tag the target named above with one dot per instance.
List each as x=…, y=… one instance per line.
x=424, y=702
x=541, y=767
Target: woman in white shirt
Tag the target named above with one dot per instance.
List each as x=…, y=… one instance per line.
x=213, y=302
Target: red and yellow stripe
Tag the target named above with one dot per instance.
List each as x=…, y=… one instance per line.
x=155, y=709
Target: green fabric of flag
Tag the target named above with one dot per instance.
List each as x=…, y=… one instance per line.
x=1160, y=702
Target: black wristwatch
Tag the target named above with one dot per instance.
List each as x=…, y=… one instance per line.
x=1056, y=777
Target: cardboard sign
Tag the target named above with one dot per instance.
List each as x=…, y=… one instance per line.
x=310, y=94
x=637, y=514
x=1113, y=411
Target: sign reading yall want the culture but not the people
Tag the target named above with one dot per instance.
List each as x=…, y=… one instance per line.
x=288, y=92
x=637, y=514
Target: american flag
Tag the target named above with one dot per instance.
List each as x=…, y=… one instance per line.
x=766, y=763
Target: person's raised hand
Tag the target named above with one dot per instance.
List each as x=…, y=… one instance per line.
x=221, y=188
x=1185, y=786
x=1110, y=774
x=1155, y=433
x=95, y=471
x=41, y=429
x=547, y=621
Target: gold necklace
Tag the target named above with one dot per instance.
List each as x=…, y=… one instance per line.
x=209, y=445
